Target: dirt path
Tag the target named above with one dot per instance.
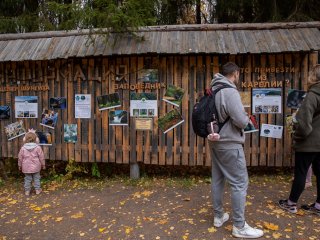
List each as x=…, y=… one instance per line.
x=150, y=209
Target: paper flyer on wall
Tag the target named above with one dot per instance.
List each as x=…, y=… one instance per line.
x=266, y=100
x=118, y=118
x=173, y=95
x=45, y=138
x=272, y=131
x=143, y=105
x=14, y=130
x=4, y=112
x=26, y=107
x=49, y=118
x=108, y=101
x=245, y=98
x=170, y=120
x=295, y=98
x=82, y=106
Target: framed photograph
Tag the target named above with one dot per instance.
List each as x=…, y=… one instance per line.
x=49, y=118
x=143, y=105
x=143, y=124
x=70, y=133
x=108, y=101
x=82, y=106
x=149, y=75
x=14, y=130
x=45, y=138
x=26, y=107
x=173, y=95
x=272, y=131
x=169, y=121
x=295, y=98
x=266, y=100
x=4, y=112
x=118, y=118
x=58, y=103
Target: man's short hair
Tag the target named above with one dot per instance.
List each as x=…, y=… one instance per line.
x=229, y=68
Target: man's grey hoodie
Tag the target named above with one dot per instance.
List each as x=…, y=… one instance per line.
x=228, y=103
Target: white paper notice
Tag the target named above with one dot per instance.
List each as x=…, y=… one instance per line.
x=82, y=106
x=272, y=131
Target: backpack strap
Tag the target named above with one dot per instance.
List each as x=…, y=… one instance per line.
x=220, y=86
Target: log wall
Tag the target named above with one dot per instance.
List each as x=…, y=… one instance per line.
x=100, y=142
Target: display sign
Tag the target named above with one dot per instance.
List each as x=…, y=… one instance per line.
x=144, y=124
x=26, y=106
x=82, y=107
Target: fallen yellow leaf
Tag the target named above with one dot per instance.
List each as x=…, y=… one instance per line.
x=59, y=219
x=203, y=210
x=146, y=193
x=212, y=230
x=77, y=215
x=271, y=226
x=102, y=229
x=276, y=235
x=128, y=230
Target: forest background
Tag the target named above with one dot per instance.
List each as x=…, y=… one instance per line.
x=19, y=16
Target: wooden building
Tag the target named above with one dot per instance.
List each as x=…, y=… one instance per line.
x=62, y=64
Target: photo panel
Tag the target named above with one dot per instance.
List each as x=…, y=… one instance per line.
x=5, y=112
x=15, y=130
x=143, y=105
x=174, y=95
x=170, y=120
x=26, y=107
x=58, y=103
x=70, y=133
x=108, y=101
x=118, y=118
x=49, y=118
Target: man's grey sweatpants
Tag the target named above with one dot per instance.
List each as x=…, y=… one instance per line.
x=229, y=165
x=28, y=177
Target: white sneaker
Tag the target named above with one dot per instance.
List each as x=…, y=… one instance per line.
x=247, y=232
x=218, y=222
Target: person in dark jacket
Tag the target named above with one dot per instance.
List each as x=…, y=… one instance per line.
x=306, y=145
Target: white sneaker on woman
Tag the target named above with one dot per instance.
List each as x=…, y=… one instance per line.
x=218, y=222
x=247, y=232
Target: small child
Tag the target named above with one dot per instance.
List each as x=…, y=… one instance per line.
x=31, y=160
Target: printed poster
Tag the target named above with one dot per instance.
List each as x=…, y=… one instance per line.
x=82, y=106
x=169, y=121
x=143, y=105
x=15, y=130
x=108, y=101
x=295, y=98
x=144, y=124
x=173, y=95
x=118, y=117
x=49, y=118
x=26, y=107
x=266, y=100
x=4, y=112
x=45, y=138
x=149, y=75
x=70, y=133
x=58, y=103
x=272, y=131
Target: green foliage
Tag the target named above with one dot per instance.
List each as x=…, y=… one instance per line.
x=95, y=172
x=74, y=167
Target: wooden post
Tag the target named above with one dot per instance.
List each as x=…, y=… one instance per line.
x=134, y=170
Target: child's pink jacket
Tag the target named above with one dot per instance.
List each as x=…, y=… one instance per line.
x=31, y=158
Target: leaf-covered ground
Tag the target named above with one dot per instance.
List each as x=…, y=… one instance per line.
x=158, y=208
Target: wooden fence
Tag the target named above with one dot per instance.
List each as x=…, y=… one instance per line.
x=100, y=142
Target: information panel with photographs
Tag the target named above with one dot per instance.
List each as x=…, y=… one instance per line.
x=169, y=121
x=58, y=103
x=4, y=112
x=82, y=106
x=173, y=95
x=45, y=138
x=108, y=101
x=26, y=107
x=14, y=130
x=49, y=118
x=143, y=105
x=70, y=133
x=118, y=117
x=266, y=100
x=272, y=131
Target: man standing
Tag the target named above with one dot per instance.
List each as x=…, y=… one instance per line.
x=228, y=159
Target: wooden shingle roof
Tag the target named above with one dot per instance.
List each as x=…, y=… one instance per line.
x=174, y=39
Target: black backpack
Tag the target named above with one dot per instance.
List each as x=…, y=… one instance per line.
x=204, y=112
